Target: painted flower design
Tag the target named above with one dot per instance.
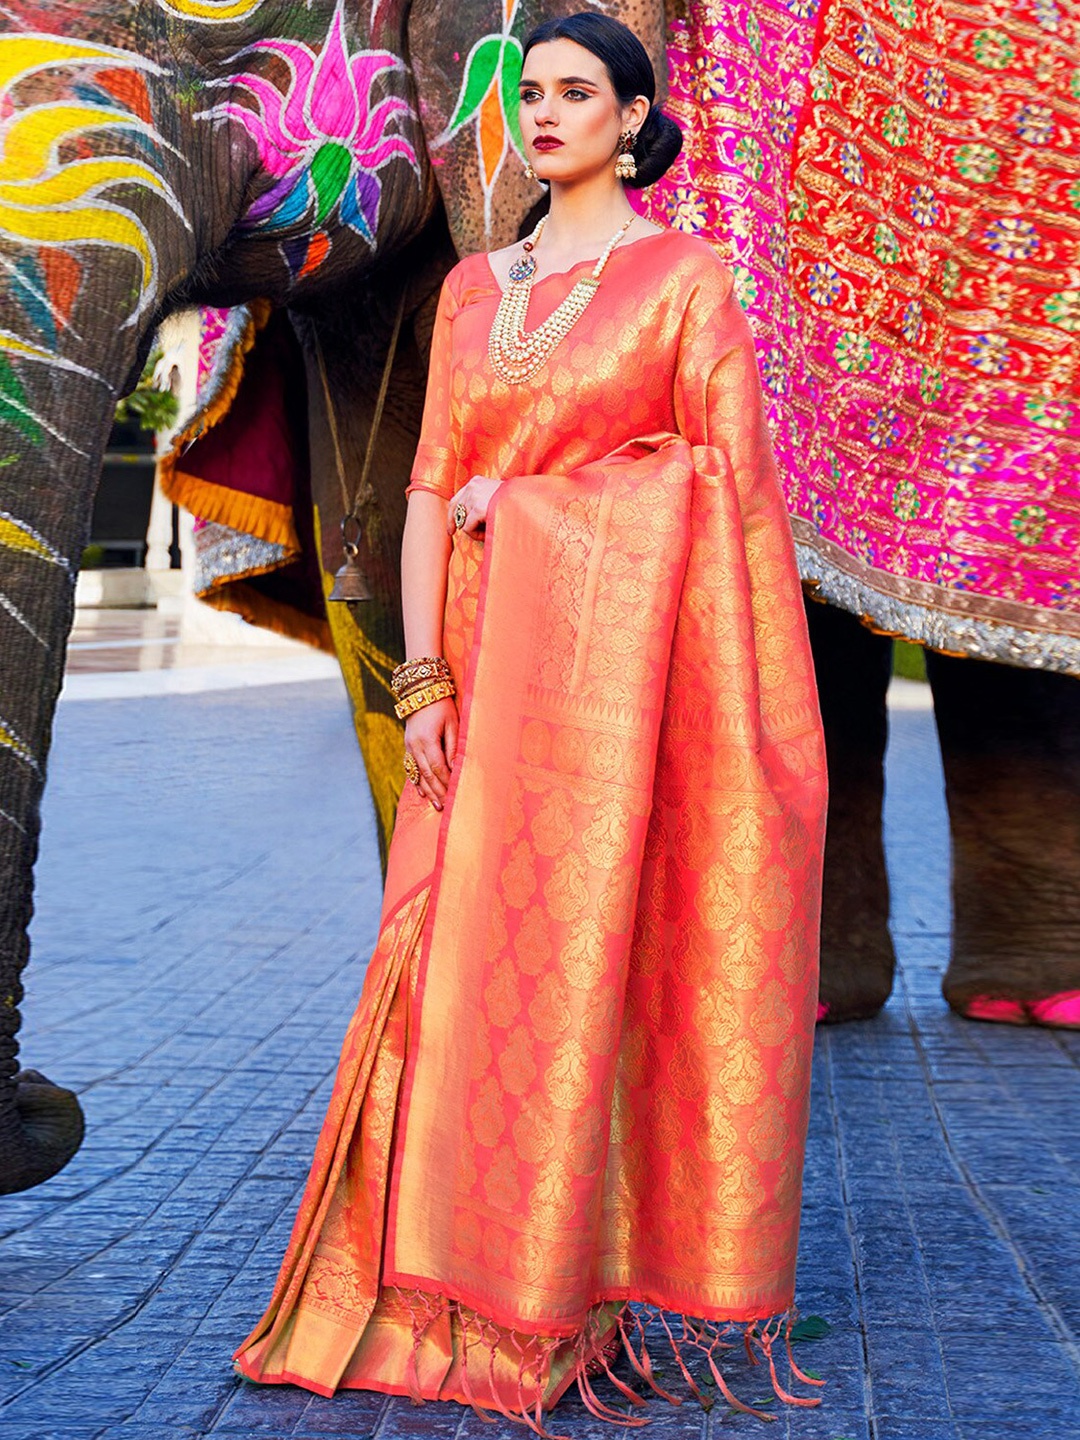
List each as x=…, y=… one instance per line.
x=924, y=206
x=895, y=125
x=1074, y=83
x=851, y=163
x=883, y=431
x=993, y=49
x=488, y=100
x=989, y=353
x=1035, y=123
x=886, y=245
x=911, y=321
x=853, y=352
x=935, y=87
x=753, y=32
x=906, y=500
x=1049, y=414
x=323, y=138
x=798, y=204
x=978, y=163
x=1064, y=309
x=1047, y=14
x=950, y=278
x=1074, y=194
x=1029, y=524
x=687, y=210
x=966, y=455
x=801, y=9
x=867, y=45
x=904, y=13
x=1012, y=239
x=774, y=372
x=823, y=283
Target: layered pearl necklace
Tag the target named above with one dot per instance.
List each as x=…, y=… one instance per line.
x=516, y=354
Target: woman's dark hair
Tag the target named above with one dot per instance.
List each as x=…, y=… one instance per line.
x=659, y=140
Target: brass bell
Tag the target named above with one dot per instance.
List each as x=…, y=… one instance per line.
x=350, y=582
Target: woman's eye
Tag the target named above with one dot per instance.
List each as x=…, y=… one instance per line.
x=581, y=94
x=527, y=95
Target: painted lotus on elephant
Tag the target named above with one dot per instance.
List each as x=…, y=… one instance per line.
x=324, y=139
x=899, y=192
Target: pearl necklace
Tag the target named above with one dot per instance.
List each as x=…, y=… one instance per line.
x=517, y=354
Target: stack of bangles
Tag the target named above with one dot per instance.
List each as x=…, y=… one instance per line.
x=415, y=684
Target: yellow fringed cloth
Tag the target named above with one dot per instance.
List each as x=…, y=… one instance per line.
x=575, y=1091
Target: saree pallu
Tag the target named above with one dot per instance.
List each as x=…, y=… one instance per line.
x=578, y=1076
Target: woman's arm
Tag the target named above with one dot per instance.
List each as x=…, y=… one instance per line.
x=431, y=733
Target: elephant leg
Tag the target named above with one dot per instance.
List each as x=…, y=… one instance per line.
x=853, y=667
x=1010, y=745
x=47, y=487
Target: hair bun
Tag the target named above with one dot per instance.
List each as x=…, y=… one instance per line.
x=657, y=144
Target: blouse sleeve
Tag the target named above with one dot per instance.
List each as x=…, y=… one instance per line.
x=436, y=467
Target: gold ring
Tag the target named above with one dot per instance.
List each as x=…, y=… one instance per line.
x=412, y=770
x=461, y=514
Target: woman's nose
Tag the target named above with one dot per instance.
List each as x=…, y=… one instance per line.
x=544, y=114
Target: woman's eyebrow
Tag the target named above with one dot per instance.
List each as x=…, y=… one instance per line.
x=566, y=80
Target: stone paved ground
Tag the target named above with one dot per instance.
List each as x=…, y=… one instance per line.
x=208, y=894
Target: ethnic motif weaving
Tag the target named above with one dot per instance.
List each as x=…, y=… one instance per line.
x=897, y=184
x=579, y=1073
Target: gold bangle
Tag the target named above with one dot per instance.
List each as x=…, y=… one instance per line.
x=426, y=669
x=440, y=690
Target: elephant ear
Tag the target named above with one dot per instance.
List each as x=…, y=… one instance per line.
x=466, y=59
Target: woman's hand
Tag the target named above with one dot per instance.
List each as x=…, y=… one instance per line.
x=475, y=496
x=431, y=739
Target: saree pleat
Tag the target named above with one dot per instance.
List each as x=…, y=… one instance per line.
x=575, y=1093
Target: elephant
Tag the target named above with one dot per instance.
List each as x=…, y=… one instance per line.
x=328, y=160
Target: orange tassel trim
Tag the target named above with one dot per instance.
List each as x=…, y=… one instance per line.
x=634, y=1329
x=267, y=520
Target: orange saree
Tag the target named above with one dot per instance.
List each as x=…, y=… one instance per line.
x=578, y=1075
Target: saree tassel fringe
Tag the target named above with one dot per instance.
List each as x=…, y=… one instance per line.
x=594, y=1350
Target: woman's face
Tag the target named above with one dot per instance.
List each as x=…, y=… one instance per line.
x=571, y=119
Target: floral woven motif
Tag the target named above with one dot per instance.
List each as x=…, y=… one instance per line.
x=897, y=185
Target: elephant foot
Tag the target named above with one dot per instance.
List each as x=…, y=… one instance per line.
x=41, y=1128
x=1058, y=1012
x=860, y=992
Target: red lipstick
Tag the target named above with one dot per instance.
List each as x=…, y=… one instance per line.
x=547, y=142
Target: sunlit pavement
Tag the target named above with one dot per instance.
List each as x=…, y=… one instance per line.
x=208, y=895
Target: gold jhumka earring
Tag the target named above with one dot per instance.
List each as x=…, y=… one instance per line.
x=530, y=173
x=625, y=164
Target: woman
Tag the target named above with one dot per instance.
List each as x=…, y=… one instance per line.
x=578, y=1075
